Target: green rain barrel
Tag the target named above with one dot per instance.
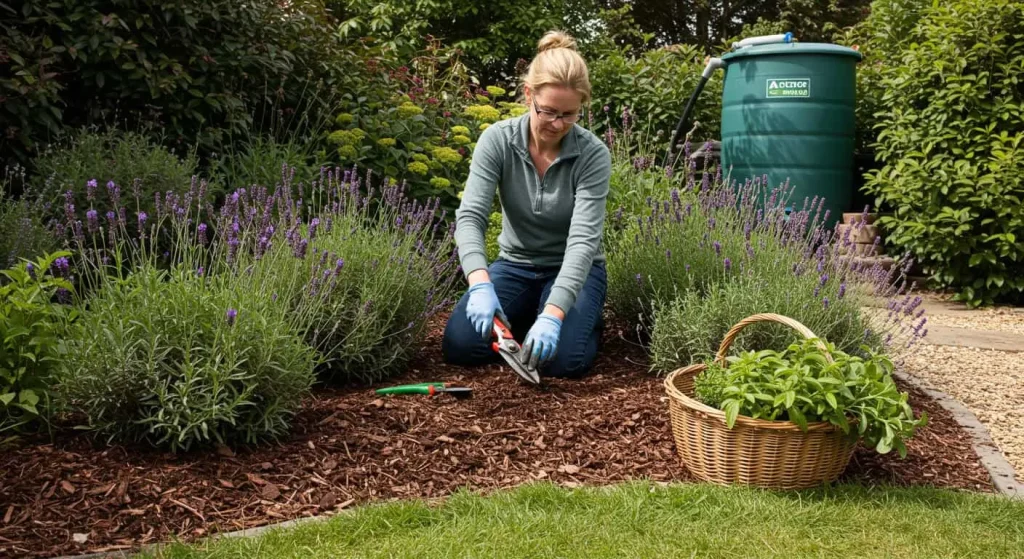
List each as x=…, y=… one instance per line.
x=788, y=113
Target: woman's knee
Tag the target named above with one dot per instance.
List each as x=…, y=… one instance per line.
x=461, y=343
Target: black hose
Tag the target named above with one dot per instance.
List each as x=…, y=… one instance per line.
x=682, y=120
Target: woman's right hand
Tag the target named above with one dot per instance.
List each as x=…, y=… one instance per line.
x=483, y=305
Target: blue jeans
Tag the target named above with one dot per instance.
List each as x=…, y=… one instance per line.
x=522, y=290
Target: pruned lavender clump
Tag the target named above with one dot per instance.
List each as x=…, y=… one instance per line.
x=711, y=254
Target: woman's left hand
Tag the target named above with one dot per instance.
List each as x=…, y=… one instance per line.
x=542, y=340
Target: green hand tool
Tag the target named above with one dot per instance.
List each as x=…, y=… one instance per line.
x=428, y=388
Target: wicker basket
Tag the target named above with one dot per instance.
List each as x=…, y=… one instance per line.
x=757, y=452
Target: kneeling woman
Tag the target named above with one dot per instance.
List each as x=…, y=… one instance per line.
x=549, y=281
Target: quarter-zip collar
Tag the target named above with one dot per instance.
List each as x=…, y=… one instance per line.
x=521, y=139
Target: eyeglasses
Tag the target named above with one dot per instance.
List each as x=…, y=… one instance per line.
x=551, y=116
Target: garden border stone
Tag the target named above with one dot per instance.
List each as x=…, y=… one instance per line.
x=247, y=533
x=1004, y=477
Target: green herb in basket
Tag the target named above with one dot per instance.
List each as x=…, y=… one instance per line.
x=802, y=385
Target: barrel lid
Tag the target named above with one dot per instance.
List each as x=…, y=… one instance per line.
x=793, y=48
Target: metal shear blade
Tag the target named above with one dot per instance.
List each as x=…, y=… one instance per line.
x=510, y=352
x=509, y=349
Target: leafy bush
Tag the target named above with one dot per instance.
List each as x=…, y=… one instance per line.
x=197, y=69
x=419, y=139
x=656, y=84
x=952, y=149
x=31, y=323
x=180, y=360
x=881, y=37
x=801, y=386
x=23, y=233
x=89, y=160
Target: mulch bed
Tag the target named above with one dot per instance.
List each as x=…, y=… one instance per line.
x=351, y=447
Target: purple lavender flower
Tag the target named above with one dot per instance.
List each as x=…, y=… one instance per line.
x=339, y=265
x=824, y=302
x=202, y=234
x=231, y=314
x=92, y=220
x=142, y=219
x=639, y=280
x=90, y=189
x=31, y=269
x=200, y=271
x=62, y=266
x=232, y=250
x=313, y=226
x=842, y=289
x=718, y=248
x=300, y=249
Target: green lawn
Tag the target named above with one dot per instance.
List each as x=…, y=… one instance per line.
x=645, y=520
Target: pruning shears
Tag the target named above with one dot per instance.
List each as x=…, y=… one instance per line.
x=428, y=388
x=510, y=350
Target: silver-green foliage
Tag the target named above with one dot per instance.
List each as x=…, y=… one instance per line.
x=178, y=359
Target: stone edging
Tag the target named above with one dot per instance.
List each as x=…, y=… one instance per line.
x=1002, y=473
x=247, y=533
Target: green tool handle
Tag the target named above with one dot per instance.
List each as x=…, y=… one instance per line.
x=422, y=388
x=409, y=389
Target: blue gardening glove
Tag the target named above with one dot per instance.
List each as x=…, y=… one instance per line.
x=483, y=304
x=542, y=340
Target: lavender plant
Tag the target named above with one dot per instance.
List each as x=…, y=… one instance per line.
x=365, y=273
x=23, y=231
x=178, y=360
x=710, y=254
x=346, y=281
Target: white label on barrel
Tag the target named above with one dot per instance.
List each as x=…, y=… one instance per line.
x=788, y=87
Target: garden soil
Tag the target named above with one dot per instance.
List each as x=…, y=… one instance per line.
x=351, y=447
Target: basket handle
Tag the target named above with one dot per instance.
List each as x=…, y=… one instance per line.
x=734, y=332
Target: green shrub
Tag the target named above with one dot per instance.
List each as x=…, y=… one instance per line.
x=23, y=231
x=88, y=161
x=800, y=385
x=195, y=69
x=31, y=325
x=882, y=38
x=656, y=84
x=424, y=141
x=260, y=161
x=950, y=145
x=180, y=360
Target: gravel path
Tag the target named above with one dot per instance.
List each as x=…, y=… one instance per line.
x=989, y=320
x=990, y=383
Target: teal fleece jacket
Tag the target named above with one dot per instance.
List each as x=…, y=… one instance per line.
x=557, y=221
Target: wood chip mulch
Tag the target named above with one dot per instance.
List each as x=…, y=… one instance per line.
x=351, y=447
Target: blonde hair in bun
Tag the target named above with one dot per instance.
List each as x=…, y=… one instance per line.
x=558, y=63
